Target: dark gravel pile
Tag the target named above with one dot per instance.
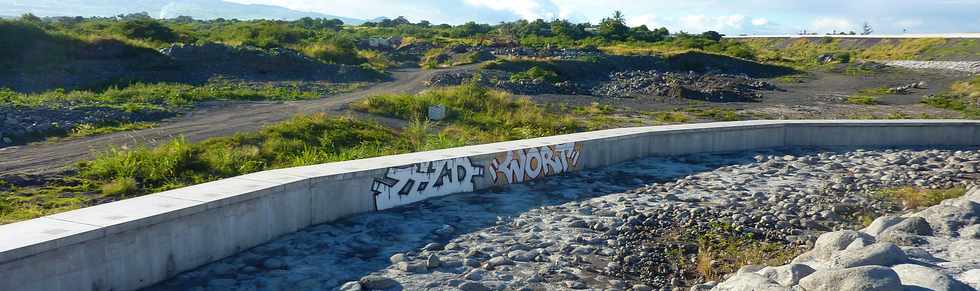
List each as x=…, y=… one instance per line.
x=19, y=124
x=690, y=85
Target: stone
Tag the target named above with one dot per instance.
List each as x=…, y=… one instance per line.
x=963, y=250
x=433, y=261
x=575, y=285
x=373, y=282
x=865, y=278
x=882, y=223
x=397, y=258
x=927, y=278
x=831, y=242
x=641, y=287
x=970, y=232
x=748, y=281
x=433, y=247
x=475, y=275
x=411, y=267
x=499, y=261
x=351, y=286
x=951, y=215
x=912, y=225
x=787, y=275
x=473, y=286
x=881, y=254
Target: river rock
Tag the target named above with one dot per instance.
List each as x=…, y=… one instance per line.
x=865, y=278
x=927, y=278
x=881, y=254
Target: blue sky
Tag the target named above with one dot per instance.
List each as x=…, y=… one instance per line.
x=732, y=17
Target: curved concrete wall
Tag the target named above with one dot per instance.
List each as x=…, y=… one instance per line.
x=134, y=243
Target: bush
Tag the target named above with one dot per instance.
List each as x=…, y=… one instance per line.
x=121, y=187
x=146, y=29
x=536, y=73
x=490, y=115
x=336, y=50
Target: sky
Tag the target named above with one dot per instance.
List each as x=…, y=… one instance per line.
x=730, y=17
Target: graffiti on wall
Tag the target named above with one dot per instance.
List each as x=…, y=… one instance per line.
x=528, y=164
x=404, y=185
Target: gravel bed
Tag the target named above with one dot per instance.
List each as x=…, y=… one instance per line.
x=959, y=66
x=588, y=230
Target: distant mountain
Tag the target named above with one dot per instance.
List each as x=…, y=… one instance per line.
x=199, y=9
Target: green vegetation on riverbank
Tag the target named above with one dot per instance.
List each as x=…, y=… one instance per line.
x=963, y=96
x=477, y=115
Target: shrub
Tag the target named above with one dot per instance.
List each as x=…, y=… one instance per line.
x=337, y=50
x=536, y=73
x=120, y=187
x=147, y=29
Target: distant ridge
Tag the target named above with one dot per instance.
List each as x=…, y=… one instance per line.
x=198, y=9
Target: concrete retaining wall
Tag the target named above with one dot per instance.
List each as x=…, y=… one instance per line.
x=134, y=243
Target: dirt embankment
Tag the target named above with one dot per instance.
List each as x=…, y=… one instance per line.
x=108, y=62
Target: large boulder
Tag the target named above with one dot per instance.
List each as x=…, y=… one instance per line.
x=866, y=278
x=787, y=275
x=747, y=281
x=880, y=254
x=829, y=243
x=924, y=278
x=949, y=216
x=913, y=225
x=881, y=223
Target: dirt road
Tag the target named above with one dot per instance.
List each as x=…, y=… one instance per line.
x=207, y=120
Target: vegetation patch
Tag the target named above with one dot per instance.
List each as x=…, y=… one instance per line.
x=717, y=114
x=536, y=73
x=916, y=197
x=963, y=96
x=723, y=250
x=475, y=113
x=868, y=96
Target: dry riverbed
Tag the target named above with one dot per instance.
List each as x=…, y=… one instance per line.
x=644, y=225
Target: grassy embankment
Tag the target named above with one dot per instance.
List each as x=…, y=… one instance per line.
x=477, y=115
x=963, y=96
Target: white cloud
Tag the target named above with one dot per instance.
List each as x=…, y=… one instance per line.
x=760, y=21
x=649, y=20
x=829, y=24
x=701, y=23
x=526, y=9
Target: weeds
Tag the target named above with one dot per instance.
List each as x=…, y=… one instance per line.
x=723, y=250
x=915, y=198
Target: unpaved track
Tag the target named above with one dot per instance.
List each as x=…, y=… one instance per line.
x=208, y=120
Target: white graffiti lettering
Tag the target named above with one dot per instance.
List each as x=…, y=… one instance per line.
x=425, y=180
x=528, y=164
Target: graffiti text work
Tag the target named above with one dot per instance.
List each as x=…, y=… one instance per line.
x=425, y=180
x=528, y=164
